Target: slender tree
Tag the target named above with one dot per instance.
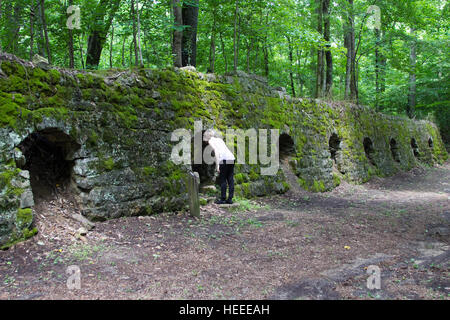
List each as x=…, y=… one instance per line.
x=31, y=29
x=70, y=44
x=235, y=37
x=111, y=45
x=135, y=46
x=320, y=71
x=212, y=47
x=1, y=17
x=189, y=44
x=177, y=42
x=81, y=52
x=102, y=19
x=349, y=42
x=141, y=60
x=44, y=26
x=224, y=52
x=328, y=88
x=291, y=66
x=412, y=76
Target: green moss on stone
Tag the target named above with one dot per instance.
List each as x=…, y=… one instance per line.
x=24, y=217
x=17, y=237
x=54, y=76
x=13, y=68
x=108, y=164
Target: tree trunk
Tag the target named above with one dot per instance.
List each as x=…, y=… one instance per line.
x=249, y=51
x=377, y=70
x=13, y=26
x=266, y=50
x=133, y=18
x=31, y=29
x=412, y=77
x=328, y=56
x=291, y=66
x=94, y=51
x=44, y=25
x=177, y=34
x=146, y=49
x=98, y=31
x=350, y=73
x=235, y=36
x=1, y=15
x=41, y=45
x=266, y=61
x=70, y=45
x=131, y=54
x=111, y=48
x=123, y=49
x=224, y=51
x=299, y=74
x=189, y=44
x=383, y=62
x=81, y=52
x=212, y=47
x=320, y=53
x=141, y=59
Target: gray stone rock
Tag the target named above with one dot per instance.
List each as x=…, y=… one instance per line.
x=24, y=174
x=26, y=199
x=188, y=68
x=82, y=231
x=41, y=62
x=19, y=158
x=86, y=223
x=20, y=183
x=39, y=59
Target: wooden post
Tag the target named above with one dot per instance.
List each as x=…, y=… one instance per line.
x=192, y=183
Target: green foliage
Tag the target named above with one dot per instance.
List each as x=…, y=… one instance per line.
x=275, y=39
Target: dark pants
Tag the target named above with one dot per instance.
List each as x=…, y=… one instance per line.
x=226, y=175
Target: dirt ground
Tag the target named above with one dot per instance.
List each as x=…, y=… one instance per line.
x=298, y=245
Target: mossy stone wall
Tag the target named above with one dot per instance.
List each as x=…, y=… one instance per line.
x=123, y=119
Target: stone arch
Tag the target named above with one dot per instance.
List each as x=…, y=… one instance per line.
x=334, y=145
x=286, y=146
x=415, y=147
x=48, y=157
x=430, y=143
x=369, y=150
x=394, y=150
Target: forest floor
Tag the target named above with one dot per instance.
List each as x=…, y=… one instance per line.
x=298, y=245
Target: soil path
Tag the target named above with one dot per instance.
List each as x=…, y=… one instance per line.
x=298, y=245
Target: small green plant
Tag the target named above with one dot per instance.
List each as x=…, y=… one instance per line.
x=8, y=280
x=245, y=205
x=292, y=223
x=85, y=251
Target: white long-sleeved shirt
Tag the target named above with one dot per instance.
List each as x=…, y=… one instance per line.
x=221, y=150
